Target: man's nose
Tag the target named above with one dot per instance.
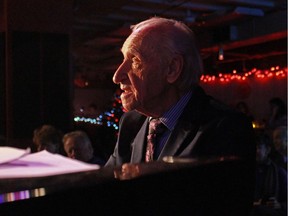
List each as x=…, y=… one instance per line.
x=121, y=72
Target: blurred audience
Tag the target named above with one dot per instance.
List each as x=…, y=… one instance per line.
x=47, y=137
x=278, y=113
x=271, y=182
x=241, y=106
x=77, y=145
x=279, y=153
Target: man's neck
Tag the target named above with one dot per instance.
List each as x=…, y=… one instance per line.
x=162, y=104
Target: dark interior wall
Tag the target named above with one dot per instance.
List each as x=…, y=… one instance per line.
x=35, y=66
x=2, y=84
x=25, y=94
x=56, y=76
x=40, y=77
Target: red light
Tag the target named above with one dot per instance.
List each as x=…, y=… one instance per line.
x=261, y=74
x=270, y=75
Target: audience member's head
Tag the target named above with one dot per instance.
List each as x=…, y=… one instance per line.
x=77, y=145
x=47, y=137
x=243, y=107
x=278, y=113
x=278, y=105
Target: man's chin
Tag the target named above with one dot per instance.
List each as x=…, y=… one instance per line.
x=128, y=107
x=131, y=106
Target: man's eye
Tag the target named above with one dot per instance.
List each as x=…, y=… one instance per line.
x=136, y=63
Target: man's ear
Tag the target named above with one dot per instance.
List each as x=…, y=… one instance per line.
x=175, y=68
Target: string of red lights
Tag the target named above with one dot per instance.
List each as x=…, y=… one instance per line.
x=257, y=73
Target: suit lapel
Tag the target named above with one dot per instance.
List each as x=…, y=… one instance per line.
x=139, y=144
x=177, y=138
x=188, y=125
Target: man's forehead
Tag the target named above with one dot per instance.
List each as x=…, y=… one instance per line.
x=136, y=36
x=129, y=42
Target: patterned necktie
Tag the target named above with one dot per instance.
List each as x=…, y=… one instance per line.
x=156, y=128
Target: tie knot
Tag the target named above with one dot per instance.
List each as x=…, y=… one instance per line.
x=156, y=126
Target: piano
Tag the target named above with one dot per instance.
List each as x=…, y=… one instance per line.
x=173, y=186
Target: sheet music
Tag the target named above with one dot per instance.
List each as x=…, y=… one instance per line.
x=9, y=154
x=39, y=164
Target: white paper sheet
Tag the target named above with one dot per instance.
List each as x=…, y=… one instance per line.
x=9, y=154
x=42, y=164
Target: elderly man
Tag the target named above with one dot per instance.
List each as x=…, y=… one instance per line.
x=169, y=115
x=159, y=77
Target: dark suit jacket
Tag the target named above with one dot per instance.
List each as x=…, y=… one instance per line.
x=206, y=128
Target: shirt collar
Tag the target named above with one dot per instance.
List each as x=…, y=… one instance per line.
x=170, y=117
